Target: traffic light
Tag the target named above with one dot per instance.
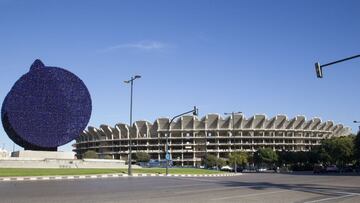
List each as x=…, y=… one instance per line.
x=318, y=69
x=195, y=111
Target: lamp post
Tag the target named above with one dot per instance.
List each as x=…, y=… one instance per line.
x=318, y=67
x=233, y=132
x=131, y=81
x=167, y=155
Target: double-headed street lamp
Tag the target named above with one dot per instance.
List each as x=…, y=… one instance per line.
x=318, y=67
x=131, y=81
x=233, y=132
x=195, y=112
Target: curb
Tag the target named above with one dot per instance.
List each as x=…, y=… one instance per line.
x=78, y=177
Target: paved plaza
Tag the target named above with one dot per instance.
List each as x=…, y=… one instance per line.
x=250, y=187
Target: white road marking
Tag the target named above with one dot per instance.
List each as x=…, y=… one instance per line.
x=333, y=198
x=199, y=179
x=249, y=195
x=180, y=186
x=207, y=190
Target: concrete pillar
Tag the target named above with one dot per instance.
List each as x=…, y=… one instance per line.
x=194, y=151
x=182, y=158
x=182, y=149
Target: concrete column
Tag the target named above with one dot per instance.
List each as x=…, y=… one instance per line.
x=170, y=147
x=182, y=149
x=159, y=147
x=228, y=141
x=182, y=158
x=194, y=150
x=218, y=147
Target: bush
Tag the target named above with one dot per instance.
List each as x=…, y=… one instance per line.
x=142, y=157
x=212, y=161
x=108, y=157
x=302, y=167
x=90, y=155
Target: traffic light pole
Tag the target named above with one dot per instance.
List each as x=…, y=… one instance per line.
x=195, y=113
x=319, y=67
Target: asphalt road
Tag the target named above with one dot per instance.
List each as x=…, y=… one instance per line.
x=246, y=188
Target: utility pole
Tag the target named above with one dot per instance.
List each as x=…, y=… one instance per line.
x=131, y=81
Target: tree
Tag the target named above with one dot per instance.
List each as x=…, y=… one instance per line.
x=220, y=162
x=336, y=150
x=90, y=154
x=340, y=149
x=238, y=158
x=320, y=155
x=265, y=156
x=142, y=157
x=357, y=148
x=212, y=161
x=314, y=156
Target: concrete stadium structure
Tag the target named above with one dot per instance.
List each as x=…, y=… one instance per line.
x=191, y=138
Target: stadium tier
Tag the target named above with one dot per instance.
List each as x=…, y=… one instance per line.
x=191, y=138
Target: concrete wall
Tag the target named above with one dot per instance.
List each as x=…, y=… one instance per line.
x=14, y=162
x=43, y=154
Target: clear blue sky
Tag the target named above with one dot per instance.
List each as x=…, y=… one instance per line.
x=223, y=56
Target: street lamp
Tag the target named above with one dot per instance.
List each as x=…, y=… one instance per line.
x=318, y=67
x=131, y=81
x=233, y=132
x=195, y=112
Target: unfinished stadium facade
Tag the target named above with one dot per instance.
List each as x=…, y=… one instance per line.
x=191, y=138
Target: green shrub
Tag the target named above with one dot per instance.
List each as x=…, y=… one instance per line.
x=142, y=157
x=90, y=155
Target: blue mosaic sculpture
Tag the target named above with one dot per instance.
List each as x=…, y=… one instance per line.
x=46, y=108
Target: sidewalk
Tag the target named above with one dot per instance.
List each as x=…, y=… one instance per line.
x=76, y=177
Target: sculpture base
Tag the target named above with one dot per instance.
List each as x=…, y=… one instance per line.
x=43, y=154
x=34, y=148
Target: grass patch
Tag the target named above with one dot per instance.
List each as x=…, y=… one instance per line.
x=13, y=172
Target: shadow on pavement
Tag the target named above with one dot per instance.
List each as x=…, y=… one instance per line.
x=307, y=173
x=308, y=187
